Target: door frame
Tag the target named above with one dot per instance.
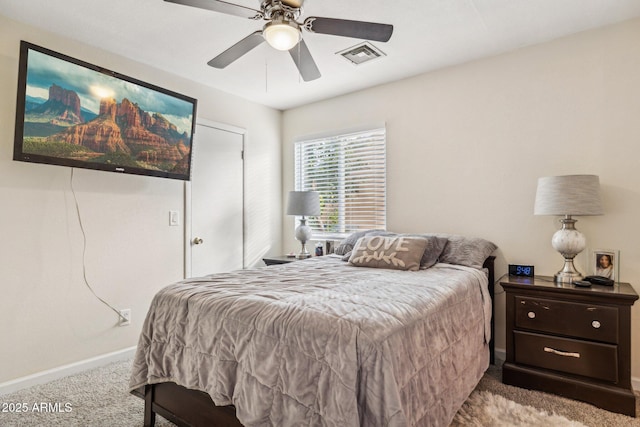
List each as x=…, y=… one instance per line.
x=187, y=195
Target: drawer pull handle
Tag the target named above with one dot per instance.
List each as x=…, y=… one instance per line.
x=531, y=315
x=561, y=353
x=596, y=324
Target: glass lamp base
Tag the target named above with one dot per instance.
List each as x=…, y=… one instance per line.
x=569, y=242
x=303, y=235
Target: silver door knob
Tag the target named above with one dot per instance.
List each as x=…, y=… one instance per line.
x=197, y=241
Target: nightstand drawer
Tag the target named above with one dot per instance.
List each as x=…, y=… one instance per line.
x=593, y=322
x=593, y=360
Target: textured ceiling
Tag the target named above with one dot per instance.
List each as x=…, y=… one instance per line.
x=428, y=35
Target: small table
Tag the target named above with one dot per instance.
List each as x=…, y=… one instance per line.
x=275, y=260
x=571, y=341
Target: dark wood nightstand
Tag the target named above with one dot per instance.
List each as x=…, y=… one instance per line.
x=571, y=341
x=274, y=260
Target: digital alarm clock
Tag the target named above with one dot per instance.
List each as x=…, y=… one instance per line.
x=521, y=270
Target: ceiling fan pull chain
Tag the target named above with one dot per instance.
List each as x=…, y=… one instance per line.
x=299, y=62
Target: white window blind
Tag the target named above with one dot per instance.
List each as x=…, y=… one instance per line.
x=349, y=172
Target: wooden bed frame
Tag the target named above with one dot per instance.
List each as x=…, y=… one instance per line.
x=191, y=408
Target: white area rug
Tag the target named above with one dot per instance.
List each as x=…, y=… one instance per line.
x=487, y=409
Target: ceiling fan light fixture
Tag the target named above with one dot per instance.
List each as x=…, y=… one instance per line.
x=282, y=34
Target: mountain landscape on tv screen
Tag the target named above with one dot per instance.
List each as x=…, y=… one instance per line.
x=122, y=133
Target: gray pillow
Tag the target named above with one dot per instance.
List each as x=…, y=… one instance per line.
x=462, y=250
x=347, y=244
x=433, y=252
x=397, y=252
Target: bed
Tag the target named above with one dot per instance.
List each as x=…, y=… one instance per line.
x=328, y=341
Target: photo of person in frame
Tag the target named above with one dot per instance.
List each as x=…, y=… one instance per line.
x=605, y=265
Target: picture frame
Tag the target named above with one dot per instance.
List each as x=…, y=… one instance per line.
x=329, y=247
x=606, y=263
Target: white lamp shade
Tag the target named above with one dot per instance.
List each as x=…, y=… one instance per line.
x=281, y=34
x=305, y=203
x=568, y=195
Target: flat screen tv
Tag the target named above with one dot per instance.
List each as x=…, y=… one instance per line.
x=73, y=113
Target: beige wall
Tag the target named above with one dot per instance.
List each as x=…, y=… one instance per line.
x=48, y=317
x=466, y=145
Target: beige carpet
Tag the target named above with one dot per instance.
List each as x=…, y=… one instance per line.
x=98, y=398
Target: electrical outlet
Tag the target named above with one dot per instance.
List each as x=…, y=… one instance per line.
x=125, y=320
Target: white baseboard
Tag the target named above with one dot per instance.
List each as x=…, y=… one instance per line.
x=65, y=370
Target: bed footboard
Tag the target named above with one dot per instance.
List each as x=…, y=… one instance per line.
x=184, y=407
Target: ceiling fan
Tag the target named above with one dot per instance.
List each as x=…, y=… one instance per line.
x=283, y=32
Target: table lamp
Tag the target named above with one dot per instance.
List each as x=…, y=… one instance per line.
x=303, y=203
x=567, y=196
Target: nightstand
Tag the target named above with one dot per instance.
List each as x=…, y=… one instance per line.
x=571, y=341
x=274, y=260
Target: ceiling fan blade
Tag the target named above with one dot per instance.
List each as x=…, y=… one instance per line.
x=237, y=50
x=304, y=61
x=222, y=7
x=347, y=28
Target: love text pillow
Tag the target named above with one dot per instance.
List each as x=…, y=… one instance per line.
x=393, y=252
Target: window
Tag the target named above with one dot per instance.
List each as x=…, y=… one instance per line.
x=349, y=172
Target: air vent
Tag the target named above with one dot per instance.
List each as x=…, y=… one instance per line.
x=361, y=53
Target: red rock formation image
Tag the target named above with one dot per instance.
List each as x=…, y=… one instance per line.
x=63, y=106
x=66, y=97
x=183, y=149
x=101, y=134
x=126, y=128
x=108, y=108
x=182, y=166
x=129, y=115
x=153, y=138
x=162, y=126
x=137, y=132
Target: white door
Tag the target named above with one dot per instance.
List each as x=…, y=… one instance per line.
x=214, y=201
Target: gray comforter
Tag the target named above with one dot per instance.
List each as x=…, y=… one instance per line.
x=322, y=343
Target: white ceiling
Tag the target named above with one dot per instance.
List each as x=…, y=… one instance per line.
x=428, y=35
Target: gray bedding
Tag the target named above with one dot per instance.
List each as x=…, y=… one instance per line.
x=322, y=343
